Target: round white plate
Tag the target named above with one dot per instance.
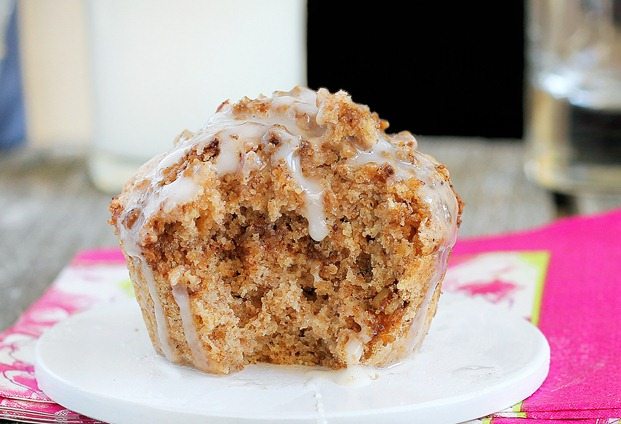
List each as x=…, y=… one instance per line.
x=477, y=359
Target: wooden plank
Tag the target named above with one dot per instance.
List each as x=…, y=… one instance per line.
x=597, y=203
x=48, y=212
x=489, y=177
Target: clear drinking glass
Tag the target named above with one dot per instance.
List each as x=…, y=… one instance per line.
x=573, y=123
x=162, y=66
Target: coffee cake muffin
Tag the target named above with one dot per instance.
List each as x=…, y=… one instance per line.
x=291, y=230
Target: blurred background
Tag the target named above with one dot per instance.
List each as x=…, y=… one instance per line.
x=426, y=67
x=521, y=100
x=115, y=81
x=430, y=70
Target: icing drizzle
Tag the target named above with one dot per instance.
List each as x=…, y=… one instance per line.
x=182, y=298
x=292, y=116
x=160, y=319
x=313, y=191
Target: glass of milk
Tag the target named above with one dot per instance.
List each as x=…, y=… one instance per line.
x=160, y=67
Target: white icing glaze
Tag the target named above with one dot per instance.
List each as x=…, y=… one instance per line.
x=252, y=162
x=229, y=158
x=384, y=152
x=434, y=191
x=237, y=137
x=416, y=334
x=352, y=376
x=160, y=318
x=164, y=198
x=293, y=116
x=182, y=298
x=232, y=141
x=169, y=160
x=233, y=135
x=313, y=191
x=354, y=348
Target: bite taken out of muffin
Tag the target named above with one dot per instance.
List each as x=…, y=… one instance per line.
x=290, y=230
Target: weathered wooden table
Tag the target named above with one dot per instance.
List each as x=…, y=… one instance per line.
x=49, y=210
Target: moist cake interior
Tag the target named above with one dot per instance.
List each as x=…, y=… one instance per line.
x=291, y=231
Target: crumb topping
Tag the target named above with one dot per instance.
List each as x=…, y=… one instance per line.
x=288, y=224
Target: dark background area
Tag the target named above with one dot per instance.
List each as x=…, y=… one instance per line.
x=434, y=68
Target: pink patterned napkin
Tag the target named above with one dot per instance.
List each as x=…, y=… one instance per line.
x=565, y=278
x=93, y=277
x=578, y=308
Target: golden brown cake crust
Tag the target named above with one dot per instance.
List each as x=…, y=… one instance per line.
x=290, y=230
